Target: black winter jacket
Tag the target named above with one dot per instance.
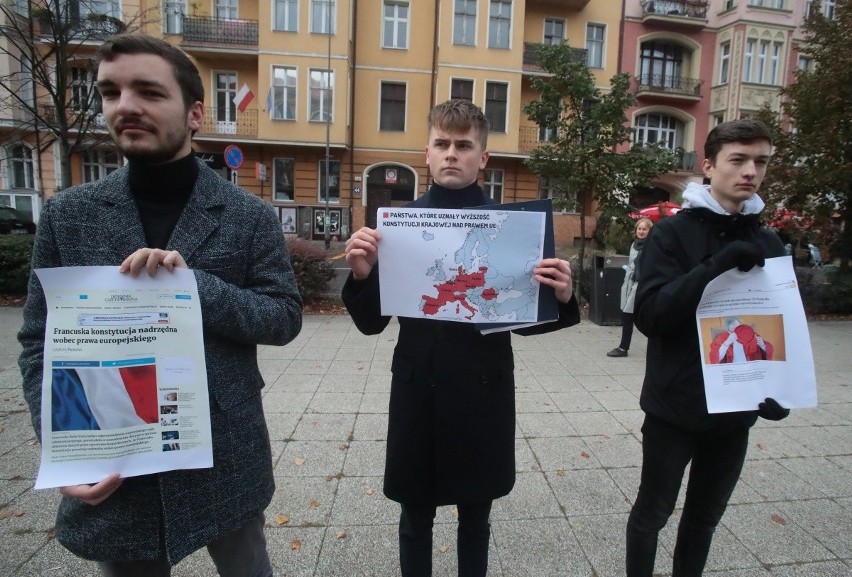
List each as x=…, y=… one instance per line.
x=676, y=266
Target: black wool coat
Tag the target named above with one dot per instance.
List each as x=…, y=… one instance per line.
x=451, y=429
x=676, y=265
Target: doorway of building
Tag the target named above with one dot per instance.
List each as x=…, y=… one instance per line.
x=388, y=185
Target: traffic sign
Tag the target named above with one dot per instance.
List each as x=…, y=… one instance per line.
x=233, y=156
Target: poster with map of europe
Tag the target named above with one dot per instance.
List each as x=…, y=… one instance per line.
x=465, y=265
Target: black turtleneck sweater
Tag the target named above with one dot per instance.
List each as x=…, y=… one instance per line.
x=441, y=197
x=161, y=192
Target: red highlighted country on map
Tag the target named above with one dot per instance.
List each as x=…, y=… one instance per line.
x=455, y=291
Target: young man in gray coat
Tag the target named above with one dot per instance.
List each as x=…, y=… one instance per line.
x=167, y=210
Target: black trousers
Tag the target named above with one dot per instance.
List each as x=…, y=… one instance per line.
x=717, y=460
x=415, y=539
x=626, y=330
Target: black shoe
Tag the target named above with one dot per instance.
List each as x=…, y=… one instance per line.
x=617, y=352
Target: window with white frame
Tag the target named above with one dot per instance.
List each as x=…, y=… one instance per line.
x=718, y=119
x=286, y=17
x=660, y=129
x=492, y=183
x=321, y=96
x=173, y=12
x=545, y=187
x=775, y=64
x=748, y=59
x=828, y=8
x=724, y=62
x=805, y=63
x=395, y=24
x=226, y=9
x=99, y=8
x=594, y=45
x=333, y=181
x=554, y=31
x=762, y=61
x=496, y=105
x=24, y=203
x=548, y=188
x=729, y=4
x=82, y=89
x=26, y=86
x=464, y=22
x=392, y=111
x=20, y=163
x=547, y=133
x=284, y=80
x=461, y=88
x=322, y=16
x=283, y=179
x=661, y=64
x=22, y=7
x=224, y=93
x=499, y=23
x=98, y=163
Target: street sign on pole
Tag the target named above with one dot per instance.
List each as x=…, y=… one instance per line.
x=233, y=156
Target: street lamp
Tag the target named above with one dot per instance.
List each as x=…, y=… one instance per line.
x=326, y=219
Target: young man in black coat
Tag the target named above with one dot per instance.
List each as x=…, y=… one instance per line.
x=718, y=230
x=451, y=424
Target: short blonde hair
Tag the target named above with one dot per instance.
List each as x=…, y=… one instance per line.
x=644, y=219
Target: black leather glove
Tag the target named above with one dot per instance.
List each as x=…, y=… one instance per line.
x=771, y=410
x=739, y=254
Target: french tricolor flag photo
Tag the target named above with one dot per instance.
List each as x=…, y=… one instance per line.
x=97, y=398
x=243, y=97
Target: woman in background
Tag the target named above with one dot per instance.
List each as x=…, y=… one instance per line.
x=628, y=288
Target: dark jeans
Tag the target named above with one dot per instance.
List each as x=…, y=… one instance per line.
x=626, y=330
x=717, y=460
x=240, y=554
x=415, y=539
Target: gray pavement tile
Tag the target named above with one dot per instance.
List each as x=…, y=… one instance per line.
x=53, y=560
x=525, y=383
x=345, y=368
x=365, y=459
x=12, y=489
x=752, y=572
x=375, y=402
x=545, y=425
x=35, y=511
x=563, y=453
x=615, y=451
x=343, y=383
x=366, y=550
x=616, y=400
x=539, y=548
x=531, y=498
x=820, y=569
x=196, y=565
x=360, y=501
x=15, y=429
x=377, y=382
x=759, y=528
x=363, y=353
x=534, y=403
x=830, y=478
x=773, y=443
x=525, y=459
x=26, y=546
x=591, y=492
x=599, y=383
x=281, y=425
x=775, y=483
x=728, y=554
x=301, y=502
x=595, y=423
x=821, y=518
x=843, y=410
x=289, y=384
x=370, y=427
x=12, y=399
x=294, y=551
x=561, y=383
x=324, y=427
x=21, y=461
x=285, y=402
x=602, y=538
x=311, y=459
x=335, y=402
x=577, y=401
x=308, y=367
x=823, y=440
x=829, y=415
x=631, y=420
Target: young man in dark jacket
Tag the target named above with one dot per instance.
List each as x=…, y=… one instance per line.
x=451, y=423
x=718, y=230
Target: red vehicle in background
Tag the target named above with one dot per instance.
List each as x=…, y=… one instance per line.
x=656, y=211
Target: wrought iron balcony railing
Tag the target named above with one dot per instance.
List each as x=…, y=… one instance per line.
x=222, y=122
x=682, y=8
x=220, y=31
x=669, y=84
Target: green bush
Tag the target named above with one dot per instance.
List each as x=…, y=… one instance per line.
x=15, y=251
x=313, y=271
x=825, y=290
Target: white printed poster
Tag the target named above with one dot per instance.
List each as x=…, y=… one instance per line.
x=125, y=381
x=463, y=265
x=755, y=341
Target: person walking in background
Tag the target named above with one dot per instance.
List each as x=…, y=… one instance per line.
x=164, y=210
x=451, y=424
x=718, y=230
x=628, y=287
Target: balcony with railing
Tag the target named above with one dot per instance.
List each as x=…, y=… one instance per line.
x=668, y=86
x=204, y=31
x=570, y=4
x=79, y=28
x=675, y=13
x=531, y=137
x=222, y=123
x=531, y=56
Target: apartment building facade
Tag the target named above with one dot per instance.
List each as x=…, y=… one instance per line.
x=697, y=63
x=340, y=91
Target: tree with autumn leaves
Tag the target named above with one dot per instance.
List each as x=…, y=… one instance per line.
x=586, y=160
x=811, y=168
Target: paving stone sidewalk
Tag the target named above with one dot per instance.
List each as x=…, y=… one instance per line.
x=578, y=459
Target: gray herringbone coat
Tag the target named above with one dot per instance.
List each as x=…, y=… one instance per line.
x=248, y=295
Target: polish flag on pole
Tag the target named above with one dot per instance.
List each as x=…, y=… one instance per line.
x=243, y=97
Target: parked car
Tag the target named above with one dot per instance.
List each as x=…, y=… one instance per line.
x=15, y=222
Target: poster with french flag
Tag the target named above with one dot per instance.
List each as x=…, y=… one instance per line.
x=243, y=97
x=124, y=383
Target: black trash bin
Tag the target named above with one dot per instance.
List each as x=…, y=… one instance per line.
x=605, y=300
